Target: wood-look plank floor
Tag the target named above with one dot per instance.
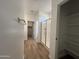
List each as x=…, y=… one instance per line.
x=34, y=50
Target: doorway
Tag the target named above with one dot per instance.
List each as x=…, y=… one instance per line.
x=45, y=28
x=30, y=29
x=68, y=30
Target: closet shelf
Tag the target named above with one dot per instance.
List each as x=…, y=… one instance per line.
x=74, y=44
x=73, y=34
x=73, y=14
x=73, y=24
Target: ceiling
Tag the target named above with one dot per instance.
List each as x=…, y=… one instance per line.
x=38, y=5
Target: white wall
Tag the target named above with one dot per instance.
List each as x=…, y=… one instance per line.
x=48, y=33
x=37, y=31
x=11, y=32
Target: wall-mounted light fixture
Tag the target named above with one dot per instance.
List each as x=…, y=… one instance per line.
x=21, y=21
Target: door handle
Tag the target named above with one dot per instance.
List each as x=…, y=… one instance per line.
x=56, y=39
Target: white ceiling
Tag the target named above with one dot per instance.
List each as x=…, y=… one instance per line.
x=38, y=5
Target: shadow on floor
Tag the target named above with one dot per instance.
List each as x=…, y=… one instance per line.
x=67, y=57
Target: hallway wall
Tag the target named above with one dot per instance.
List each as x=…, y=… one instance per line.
x=11, y=32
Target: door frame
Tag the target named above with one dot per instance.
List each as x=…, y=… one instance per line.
x=32, y=25
x=46, y=30
x=54, y=26
x=58, y=25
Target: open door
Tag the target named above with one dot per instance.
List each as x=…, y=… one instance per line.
x=30, y=29
x=68, y=30
x=54, y=28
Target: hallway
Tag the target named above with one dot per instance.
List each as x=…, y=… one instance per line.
x=14, y=18
x=34, y=50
